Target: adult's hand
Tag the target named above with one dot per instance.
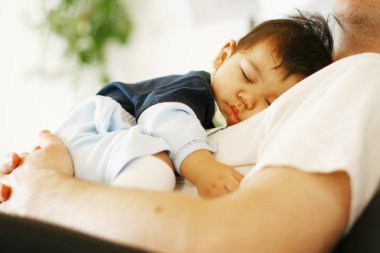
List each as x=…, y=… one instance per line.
x=50, y=157
x=7, y=165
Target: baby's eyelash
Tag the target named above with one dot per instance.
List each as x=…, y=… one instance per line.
x=268, y=102
x=244, y=76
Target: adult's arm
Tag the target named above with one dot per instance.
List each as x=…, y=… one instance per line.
x=278, y=210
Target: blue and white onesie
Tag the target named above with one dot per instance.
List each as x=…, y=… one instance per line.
x=124, y=124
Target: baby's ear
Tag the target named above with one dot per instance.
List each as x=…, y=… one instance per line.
x=225, y=53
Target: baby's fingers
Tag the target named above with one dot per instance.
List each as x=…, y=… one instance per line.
x=232, y=185
x=237, y=175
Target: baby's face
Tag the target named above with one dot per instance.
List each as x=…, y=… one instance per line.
x=248, y=82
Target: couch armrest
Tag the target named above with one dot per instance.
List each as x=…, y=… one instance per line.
x=365, y=234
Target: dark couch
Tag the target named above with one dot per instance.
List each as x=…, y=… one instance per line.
x=365, y=234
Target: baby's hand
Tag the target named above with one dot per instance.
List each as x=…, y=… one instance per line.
x=217, y=181
x=211, y=177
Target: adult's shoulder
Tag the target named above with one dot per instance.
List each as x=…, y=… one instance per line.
x=362, y=58
x=358, y=65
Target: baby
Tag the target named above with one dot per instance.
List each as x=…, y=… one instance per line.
x=134, y=134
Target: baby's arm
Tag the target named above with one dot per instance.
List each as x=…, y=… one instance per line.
x=190, y=150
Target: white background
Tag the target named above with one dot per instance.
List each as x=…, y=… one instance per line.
x=38, y=85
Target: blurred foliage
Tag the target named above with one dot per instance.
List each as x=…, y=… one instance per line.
x=87, y=26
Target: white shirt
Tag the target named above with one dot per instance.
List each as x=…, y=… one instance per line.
x=330, y=121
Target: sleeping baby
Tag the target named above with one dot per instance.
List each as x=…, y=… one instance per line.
x=143, y=134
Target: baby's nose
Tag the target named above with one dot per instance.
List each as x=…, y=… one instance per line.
x=249, y=100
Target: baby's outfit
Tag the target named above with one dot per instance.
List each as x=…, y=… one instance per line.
x=120, y=128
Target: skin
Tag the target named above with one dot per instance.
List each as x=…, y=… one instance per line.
x=211, y=177
x=245, y=83
x=360, y=31
x=301, y=212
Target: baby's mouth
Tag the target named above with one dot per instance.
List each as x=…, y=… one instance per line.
x=233, y=114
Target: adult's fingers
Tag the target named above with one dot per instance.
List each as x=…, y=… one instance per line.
x=53, y=154
x=46, y=139
x=9, y=163
x=5, y=191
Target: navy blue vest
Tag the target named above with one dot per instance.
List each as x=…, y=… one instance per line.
x=192, y=89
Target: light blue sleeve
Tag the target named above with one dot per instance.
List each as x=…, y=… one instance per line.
x=179, y=126
x=103, y=138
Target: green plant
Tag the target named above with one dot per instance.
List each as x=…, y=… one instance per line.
x=87, y=26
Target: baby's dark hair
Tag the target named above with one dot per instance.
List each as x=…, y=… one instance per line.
x=303, y=43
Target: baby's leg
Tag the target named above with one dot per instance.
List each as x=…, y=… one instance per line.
x=152, y=172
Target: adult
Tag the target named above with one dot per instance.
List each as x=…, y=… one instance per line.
x=292, y=208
